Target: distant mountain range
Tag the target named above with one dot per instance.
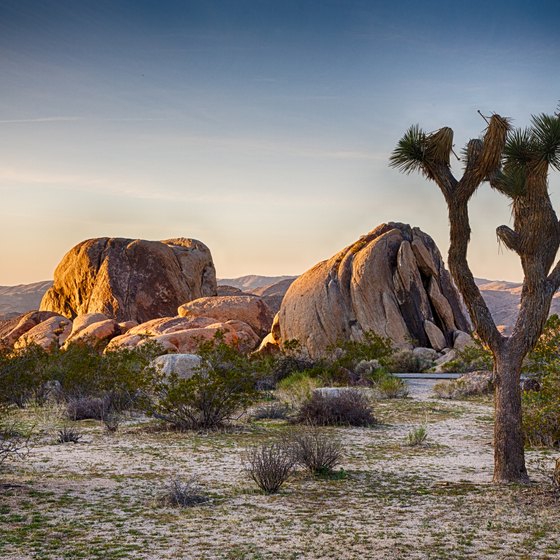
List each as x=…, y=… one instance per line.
x=15, y=300
x=253, y=282
x=501, y=297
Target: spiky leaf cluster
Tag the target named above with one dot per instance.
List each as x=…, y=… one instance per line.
x=410, y=153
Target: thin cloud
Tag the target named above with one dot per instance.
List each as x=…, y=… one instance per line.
x=78, y=119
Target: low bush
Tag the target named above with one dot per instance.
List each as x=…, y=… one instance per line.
x=473, y=358
x=24, y=374
x=87, y=408
x=224, y=386
x=271, y=411
x=296, y=388
x=184, y=493
x=390, y=387
x=343, y=407
x=475, y=383
x=14, y=439
x=69, y=435
x=541, y=407
x=404, y=361
x=316, y=451
x=416, y=436
x=270, y=465
x=541, y=412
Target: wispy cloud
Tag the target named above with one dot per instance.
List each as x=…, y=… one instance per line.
x=78, y=119
x=41, y=120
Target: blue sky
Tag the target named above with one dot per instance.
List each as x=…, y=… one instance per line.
x=261, y=128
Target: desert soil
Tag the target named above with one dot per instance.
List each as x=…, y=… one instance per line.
x=101, y=498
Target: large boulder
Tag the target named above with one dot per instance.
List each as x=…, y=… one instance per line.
x=183, y=365
x=130, y=279
x=249, y=309
x=392, y=281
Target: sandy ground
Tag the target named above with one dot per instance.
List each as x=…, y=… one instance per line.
x=100, y=499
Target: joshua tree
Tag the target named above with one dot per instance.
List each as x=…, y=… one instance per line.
x=515, y=163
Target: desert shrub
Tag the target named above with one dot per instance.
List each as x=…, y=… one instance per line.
x=475, y=383
x=23, y=375
x=116, y=376
x=416, y=436
x=545, y=356
x=541, y=408
x=274, y=369
x=348, y=353
x=270, y=465
x=68, y=435
x=390, y=387
x=296, y=388
x=541, y=412
x=14, y=438
x=112, y=421
x=404, y=361
x=224, y=385
x=274, y=410
x=316, y=451
x=181, y=493
x=344, y=407
x=473, y=358
x=87, y=408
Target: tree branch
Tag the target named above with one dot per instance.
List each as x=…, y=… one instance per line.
x=458, y=264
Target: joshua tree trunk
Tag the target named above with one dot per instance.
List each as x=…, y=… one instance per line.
x=509, y=454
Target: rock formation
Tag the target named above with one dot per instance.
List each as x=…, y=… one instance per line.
x=249, y=309
x=129, y=279
x=392, y=281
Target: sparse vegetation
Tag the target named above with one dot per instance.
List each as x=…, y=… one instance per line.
x=317, y=451
x=68, y=435
x=338, y=407
x=416, y=436
x=14, y=438
x=224, y=386
x=184, y=493
x=270, y=465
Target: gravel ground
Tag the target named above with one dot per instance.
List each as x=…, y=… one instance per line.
x=101, y=499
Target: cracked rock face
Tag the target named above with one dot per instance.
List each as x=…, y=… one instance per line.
x=392, y=281
x=131, y=279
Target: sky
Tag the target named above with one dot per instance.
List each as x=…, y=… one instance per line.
x=262, y=128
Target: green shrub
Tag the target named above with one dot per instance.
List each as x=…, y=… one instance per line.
x=417, y=436
x=296, y=388
x=472, y=358
x=223, y=386
x=541, y=412
x=23, y=375
x=348, y=353
x=390, y=387
x=541, y=408
x=404, y=361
